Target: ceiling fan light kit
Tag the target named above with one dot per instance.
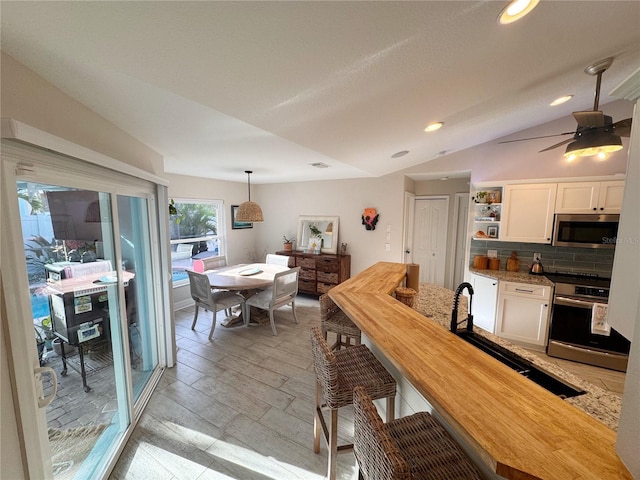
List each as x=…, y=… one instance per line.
x=596, y=133
x=594, y=144
x=249, y=211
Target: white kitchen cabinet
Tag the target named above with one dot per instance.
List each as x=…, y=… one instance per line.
x=527, y=212
x=485, y=298
x=523, y=313
x=590, y=197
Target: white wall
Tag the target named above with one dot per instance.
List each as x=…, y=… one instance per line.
x=30, y=99
x=282, y=203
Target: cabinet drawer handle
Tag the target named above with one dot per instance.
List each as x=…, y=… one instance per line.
x=523, y=290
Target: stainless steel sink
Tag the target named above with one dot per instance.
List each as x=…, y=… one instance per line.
x=521, y=365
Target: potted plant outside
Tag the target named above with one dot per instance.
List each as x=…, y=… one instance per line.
x=287, y=243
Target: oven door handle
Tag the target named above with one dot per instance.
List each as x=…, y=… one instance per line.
x=572, y=302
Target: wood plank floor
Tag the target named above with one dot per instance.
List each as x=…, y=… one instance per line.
x=241, y=406
x=238, y=407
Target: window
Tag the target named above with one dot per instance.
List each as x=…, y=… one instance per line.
x=197, y=231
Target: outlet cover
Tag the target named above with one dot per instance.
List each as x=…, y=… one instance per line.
x=537, y=256
x=492, y=253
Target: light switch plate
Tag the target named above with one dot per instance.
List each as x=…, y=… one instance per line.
x=537, y=256
x=492, y=253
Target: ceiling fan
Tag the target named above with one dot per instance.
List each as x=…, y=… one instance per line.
x=596, y=133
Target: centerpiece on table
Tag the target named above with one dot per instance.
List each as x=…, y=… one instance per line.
x=315, y=241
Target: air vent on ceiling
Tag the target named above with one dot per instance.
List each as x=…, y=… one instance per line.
x=319, y=165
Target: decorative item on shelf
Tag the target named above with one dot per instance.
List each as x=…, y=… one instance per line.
x=249, y=212
x=480, y=235
x=513, y=263
x=343, y=249
x=370, y=218
x=494, y=196
x=287, y=243
x=492, y=231
x=481, y=197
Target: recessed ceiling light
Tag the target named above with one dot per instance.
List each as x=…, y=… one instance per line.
x=516, y=10
x=432, y=127
x=400, y=154
x=561, y=100
x=444, y=178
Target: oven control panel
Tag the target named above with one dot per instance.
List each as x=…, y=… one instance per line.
x=592, y=292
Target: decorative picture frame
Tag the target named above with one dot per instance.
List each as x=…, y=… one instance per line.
x=492, y=232
x=235, y=225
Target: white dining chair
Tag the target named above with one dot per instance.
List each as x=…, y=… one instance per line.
x=204, y=297
x=283, y=292
x=277, y=259
x=211, y=263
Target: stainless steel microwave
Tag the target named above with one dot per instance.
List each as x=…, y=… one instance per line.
x=585, y=230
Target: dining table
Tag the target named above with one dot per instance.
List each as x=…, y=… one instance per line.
x=243, y=277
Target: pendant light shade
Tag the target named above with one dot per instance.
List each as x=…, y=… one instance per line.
x=249, y=211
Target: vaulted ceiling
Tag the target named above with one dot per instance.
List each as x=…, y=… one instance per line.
x=222, y=87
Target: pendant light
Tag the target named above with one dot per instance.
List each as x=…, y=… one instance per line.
x=249, y=211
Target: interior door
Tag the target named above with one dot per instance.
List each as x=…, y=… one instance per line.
x=430, y=238
x=81, y=303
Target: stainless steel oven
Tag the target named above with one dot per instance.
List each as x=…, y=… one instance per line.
x=570, y=333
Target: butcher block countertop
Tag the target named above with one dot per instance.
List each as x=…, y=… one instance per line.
x=517, y=428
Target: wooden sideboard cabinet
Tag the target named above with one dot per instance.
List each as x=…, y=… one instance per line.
x=318, y=273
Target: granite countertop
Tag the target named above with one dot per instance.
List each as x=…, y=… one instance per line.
x=519, y=277
x=436, y=303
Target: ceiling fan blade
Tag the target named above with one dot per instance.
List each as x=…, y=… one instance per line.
x=622, y=127
x=535, y=138
x=564, y=142
x=589, y=118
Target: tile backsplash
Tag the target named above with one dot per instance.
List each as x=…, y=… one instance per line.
x=562, y=259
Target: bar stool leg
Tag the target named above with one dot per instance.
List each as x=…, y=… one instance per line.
x=317, y=426
x=333, y=444
x=391, y=408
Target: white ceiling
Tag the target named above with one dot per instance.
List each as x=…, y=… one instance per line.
x=222, y=87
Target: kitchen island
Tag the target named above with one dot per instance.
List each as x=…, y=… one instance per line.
x=516, y=428
x=435, y=302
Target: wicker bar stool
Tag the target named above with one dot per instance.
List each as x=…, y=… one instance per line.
x=332, y=319
x=337, y=374
x=415, y=447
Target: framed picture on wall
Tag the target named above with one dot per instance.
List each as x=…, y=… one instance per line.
x=235, y=224
x=492, y=232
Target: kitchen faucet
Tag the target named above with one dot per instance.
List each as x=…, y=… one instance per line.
x=454, y=313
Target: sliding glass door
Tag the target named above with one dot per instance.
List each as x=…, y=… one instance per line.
x=84, y=258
